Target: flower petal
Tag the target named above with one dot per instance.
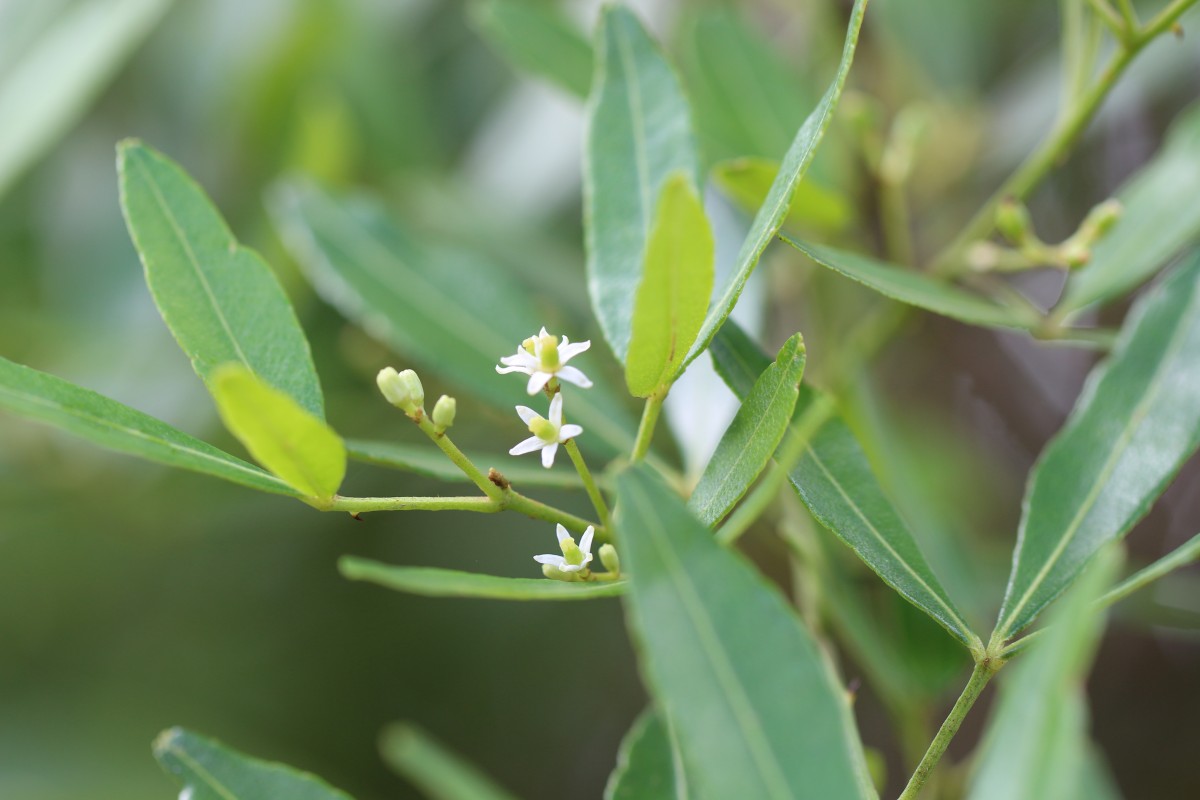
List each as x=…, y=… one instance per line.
x=537, y=380
x=585, y=542
x=521, y=358
x=527, y=414
x=562, y=533
x=528, y=446
x=506, y=370
x=548, y=451
x=573, y=375
x=548, y=558
x=572, y=567
x=568, y=351
x=568, y=432
x=556, y=404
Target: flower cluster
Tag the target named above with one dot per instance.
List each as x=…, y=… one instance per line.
x=572, y=565
x=544, y=359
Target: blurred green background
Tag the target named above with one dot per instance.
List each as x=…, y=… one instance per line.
x=133, y=599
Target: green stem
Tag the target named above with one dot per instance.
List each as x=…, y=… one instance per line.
x=1064, y=135
x=1185, y=554
x=645, y=431
x=356, y=504
x=983, y=672
x=1111, y=18
x=494, y=492
x=1127, y=12
x=799, y=434
x=589, y=483
x=518, y=502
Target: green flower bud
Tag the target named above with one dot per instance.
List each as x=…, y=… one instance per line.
x=1012, y=220
x=402, y=389
x=610, y=559
x=555, y=574
x=1099, y=221
x=443, y=413
x=1074, y=254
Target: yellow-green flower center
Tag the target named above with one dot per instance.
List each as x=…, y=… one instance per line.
x=571, y=551
x=548, y=353
x=544, y=429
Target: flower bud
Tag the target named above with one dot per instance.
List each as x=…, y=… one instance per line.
x=1012, y=220
x=1099, y=221
x=443, y=413
x=1075, y=254
x=403, y=389
x=609, y=558
x=554, y=573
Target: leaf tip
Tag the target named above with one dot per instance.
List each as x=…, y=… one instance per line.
x=166, y=741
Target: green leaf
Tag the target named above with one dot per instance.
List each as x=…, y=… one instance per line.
x=434, y=582
x=756, y=707
x=1160, y=218
x=1036, y=743
x=285, y=438
x=916, y=289
x=435, y=770
x=749, y=442
x=210, y=771
x=1135, y=423
x=536, y=38
x=55, y=77
x=118, y=427
x=639, y=133
x=432, y=463
x=748, y=100
x=677, y=279
x=747, y=182
x=645, y=763
x=451, y=311
x=836, y=483
x=220, y=300
x=774, y=211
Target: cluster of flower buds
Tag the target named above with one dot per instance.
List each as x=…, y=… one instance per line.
x=1015, y=224
x=405, y=392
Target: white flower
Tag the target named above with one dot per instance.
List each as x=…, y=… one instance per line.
x=574, y=558
x=548, y=434
x=542, y=358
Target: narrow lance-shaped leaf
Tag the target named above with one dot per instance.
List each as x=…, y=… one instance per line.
x=646, y=763
x=916, y=289
x=449, y=310
x=1036, y=742
x=756, y=706
x=285, y=438
x=750, y=440
x=1135, y=423
x=118, y=427
x=438, y=772
x=775, y=210
x=677, y=279
x=638, y=133
x=836, y=483
x=56, y=76
x=431, y=462
x=220, y=300
x=434, y=582
x=538, y=39
x=210, y=771
x=1160, y=218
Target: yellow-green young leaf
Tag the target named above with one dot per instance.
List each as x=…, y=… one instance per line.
x=677, y=279
x=438, y=772
x=285, y=438
x=747, y=182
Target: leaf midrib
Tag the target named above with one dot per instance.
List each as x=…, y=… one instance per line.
x=105, y=422
x=206, y=776
x=161, y=201
x=735, y=692
x=1110, y=465
x=963, y=633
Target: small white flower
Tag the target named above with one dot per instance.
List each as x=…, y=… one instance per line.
x=574, y=558
x=542, y=358
x=548, y=434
